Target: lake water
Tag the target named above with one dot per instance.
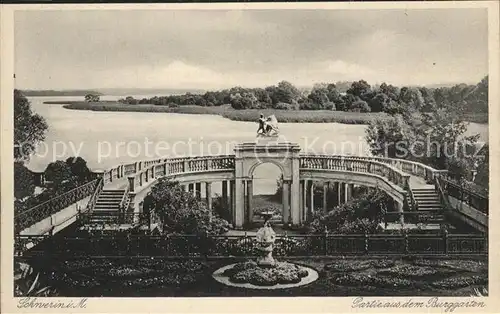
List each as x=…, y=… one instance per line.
x=106, y=139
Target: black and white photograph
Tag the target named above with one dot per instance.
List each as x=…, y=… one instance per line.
x=250, y=151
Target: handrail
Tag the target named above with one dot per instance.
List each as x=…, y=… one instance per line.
x=93, y=199
x=413, y=201
x=124, y=199
x=39, y=212
x=324, y=162
x=475, y=200
x=442, y=196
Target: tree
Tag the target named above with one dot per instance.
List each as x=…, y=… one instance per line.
x=359, y=88
x=287, y=93
x=92, y=98
x=380, y=102
x=29, y=128
x=359, y=106
x=389, y=137
x=319, y=96
x=58, y=172
x=24, y=183
x=79, y=169
x=181, y=212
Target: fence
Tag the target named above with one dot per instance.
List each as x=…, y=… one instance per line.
x=219, y=246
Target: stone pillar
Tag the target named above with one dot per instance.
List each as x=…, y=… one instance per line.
x=208, y=194
x=249, y=201
x=311, y=198
x=224, y=192
x=325, y=195
x=341, y=193
x=294, y=192
x=131, y=183
x=186, y=187
x=346, y=192
x=285, y=202
x=232, y=200
x=302, y=196
x=197, y=192
x=399, y=209
x=350, y=189
x=239, y=201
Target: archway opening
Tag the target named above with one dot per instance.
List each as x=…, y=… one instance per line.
x=267, y=192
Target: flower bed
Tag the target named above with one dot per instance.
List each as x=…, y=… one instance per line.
x=347, y=266
x=409, y=271
x=356, y=279
x=459, y=265
x=250, y=272
x=460, y=281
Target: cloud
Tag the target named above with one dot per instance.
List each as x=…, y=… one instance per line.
x=207, y=49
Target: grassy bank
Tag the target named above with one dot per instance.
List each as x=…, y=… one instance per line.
x=283, y=116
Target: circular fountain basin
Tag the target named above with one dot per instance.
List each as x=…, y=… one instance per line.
x=218, y=275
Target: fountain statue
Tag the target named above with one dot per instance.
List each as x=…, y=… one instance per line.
x=265, y=272
x=265, y=242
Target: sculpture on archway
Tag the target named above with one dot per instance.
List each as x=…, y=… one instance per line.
x=268, y=126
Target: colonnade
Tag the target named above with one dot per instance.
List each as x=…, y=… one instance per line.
x=227, y=193
x=343, y=190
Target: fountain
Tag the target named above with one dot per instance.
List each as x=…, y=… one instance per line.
x=265, y=272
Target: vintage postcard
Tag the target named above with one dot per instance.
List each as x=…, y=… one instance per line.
x=227, y=158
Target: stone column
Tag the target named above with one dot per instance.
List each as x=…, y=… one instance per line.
x=232, y=200
x=285, y=202
x=208, y=194
x=131, y=183
x=249, y=201
x=224, y=193
x=346, y=192
x=311, y=198
x=198, y=190
x=341, y=193
x=350, y=189
x=302, y=197
x=325, y=195
x=399, y=209
x=239, y=201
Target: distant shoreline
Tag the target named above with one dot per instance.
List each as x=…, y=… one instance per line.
x=283, y=116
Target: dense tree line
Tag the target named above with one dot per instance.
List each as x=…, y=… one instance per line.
x=357, y=96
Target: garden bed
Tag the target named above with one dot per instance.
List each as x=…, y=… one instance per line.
x=188, y=278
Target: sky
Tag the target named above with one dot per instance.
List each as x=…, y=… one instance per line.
x=252, y=48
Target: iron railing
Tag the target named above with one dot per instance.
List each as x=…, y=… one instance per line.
x=222, y=245
x=36, y=214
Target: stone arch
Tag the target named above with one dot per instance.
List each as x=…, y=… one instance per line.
x=252, y=168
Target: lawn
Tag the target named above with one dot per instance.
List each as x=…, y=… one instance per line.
x=337, y=277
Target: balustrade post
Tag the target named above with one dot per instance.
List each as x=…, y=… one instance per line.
x=165, y=169
x=153, y=172
x=186, y=166
x=131, y=183
x=325, y=243
x=445, y=240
